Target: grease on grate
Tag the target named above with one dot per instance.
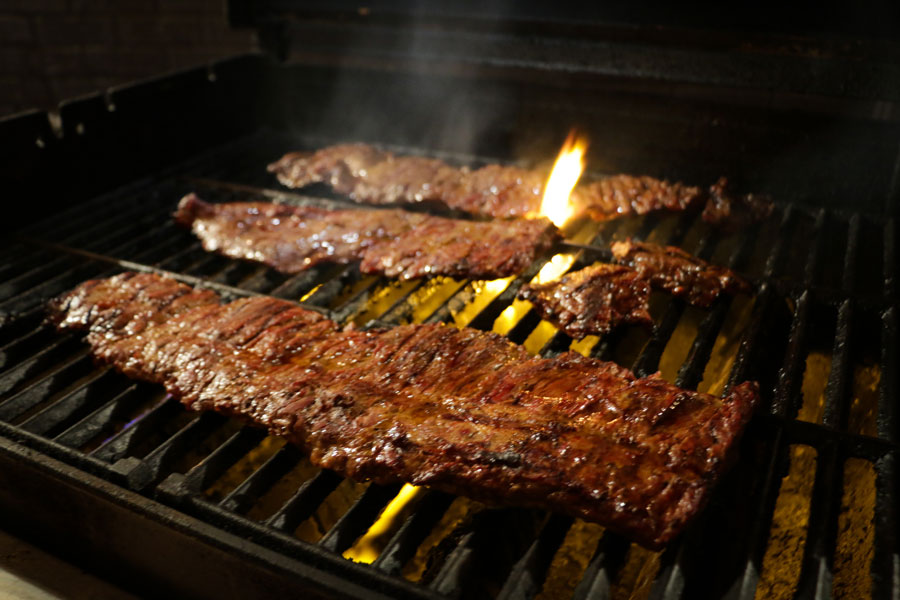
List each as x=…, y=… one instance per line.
x=431, y=552
x=570, y=560
x=330, y=511
x=856, y=532
x=635, y=579
x=787, y=535
x=679, y=345
x=725, y=348
x=244, y=468
x=382, y=299
x=815, y=380
x=863, y=418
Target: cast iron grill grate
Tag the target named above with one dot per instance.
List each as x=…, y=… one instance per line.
x=825, y=311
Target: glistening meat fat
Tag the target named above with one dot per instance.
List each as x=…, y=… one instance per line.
x=462, y=411
x=393, y=243
x=374, y=176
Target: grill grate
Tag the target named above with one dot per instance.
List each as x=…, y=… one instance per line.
x=54, y=400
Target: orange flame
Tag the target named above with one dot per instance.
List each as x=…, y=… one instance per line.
x=557, y=204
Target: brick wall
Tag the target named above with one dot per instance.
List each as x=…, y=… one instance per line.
x=51, y=50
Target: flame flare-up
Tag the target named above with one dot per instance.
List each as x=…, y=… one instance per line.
x=557, y=204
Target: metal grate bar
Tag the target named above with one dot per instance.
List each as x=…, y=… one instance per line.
x=745, y=587
x=181, y=259
x=560, y=342
x=648, y=360
x=791, y=374
x=17, y=259
x=120, y=444
x=263, y=280
x=225, y=291
x=886, y=562
x=403, y=545
x=482, y=541
x=484, y=320
x=90, y=228
x=92, y=425
x=815, y=251
x=128, y=197
x=821, y=534
x=48, y=385
x=305, y=501
x=527, y=576
x=848, y=281
x=765, y=303
x=47, y=358
x=337, y=279
x=890, y=258
x=298, y=285
x=776, y=257
x=888, y=420
x=15, y=285
x=358, y=518
x=21, y=348
x=161, y=459
x=607, y=560
x=54, y=286
x=15, y=328
x=789, y=377
x=204, y=473
x=677, y=561
x=101, y=384
x=691, y=371
x=837, y=392
x=278, y=465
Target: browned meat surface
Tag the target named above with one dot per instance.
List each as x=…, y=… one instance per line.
x=394, y=243
x=679, y=273
x=375, y=177
x=463, y=411
x=732, y=212
x=592, y=300
x=622, y=195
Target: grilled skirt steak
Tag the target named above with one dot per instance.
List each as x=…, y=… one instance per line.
x=679, y=273
x=731, y=211
x=462, y=411
x=373, y=176
x=593, y=300
x=394, y=243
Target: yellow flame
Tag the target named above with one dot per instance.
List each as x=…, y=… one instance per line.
x=367, y=548
x=557, y=204
x=554, y=268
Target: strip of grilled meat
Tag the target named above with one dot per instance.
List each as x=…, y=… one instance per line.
x=463, y=411
x=731, y=211
x=373, y=176
x=679, y=273
x=394, y=243
x=592, y=300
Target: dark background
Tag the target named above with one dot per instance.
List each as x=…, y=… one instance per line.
x=52, y=50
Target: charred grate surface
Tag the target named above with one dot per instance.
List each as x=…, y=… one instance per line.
x=820, y=335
